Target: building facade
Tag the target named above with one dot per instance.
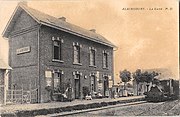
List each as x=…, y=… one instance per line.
x=48, y=51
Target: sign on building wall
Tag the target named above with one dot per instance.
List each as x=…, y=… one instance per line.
x=100, y=86
x=106, y=93
x=110, y=84
x=110, y=78
x=23, y=50
x=48, y=75
x=97, y=75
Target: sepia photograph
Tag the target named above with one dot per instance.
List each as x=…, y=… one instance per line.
x=89, y=58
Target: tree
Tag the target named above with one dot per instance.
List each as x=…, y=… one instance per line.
x=149, y=77
x=137, y=75
x=156, y=81
x=129, y=85
x=125, y=77
x=154, y=74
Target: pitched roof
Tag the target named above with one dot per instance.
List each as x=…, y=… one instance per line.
x=3, y=65
x=54, y=22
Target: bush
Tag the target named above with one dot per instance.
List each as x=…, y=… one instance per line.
x=112, y=103
x=86, y=91
x=66, y=109
x=79, y=107
x=104, y=103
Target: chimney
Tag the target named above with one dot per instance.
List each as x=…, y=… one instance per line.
x=93, y=30
x=62, y=18
x=23, y=3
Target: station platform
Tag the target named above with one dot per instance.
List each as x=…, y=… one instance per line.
x=55, y=107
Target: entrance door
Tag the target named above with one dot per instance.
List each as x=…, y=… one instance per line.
x=77, y=86
x=105, y=85
x=93, y=85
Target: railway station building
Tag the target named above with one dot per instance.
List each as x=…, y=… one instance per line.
x=48, y=51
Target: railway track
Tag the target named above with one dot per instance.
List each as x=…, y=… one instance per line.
x=94, y=109
x=160, y=109
x=141, y=108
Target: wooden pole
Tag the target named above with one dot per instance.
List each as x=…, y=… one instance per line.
x=11, y=91
x=30, y=92
x=22, y=94
x=5, y=90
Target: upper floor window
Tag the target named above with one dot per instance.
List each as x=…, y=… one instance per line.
x=57, y=48
x=105, y=59
x=92, y=57
x=76, y=53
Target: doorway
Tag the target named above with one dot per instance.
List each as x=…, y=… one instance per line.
x=93, y=84
x=77, y=86
x=105, y=85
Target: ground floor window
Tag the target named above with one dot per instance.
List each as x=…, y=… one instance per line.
x=57, y=79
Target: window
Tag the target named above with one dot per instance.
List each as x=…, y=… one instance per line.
x=105, y=60
x=57, y=53
x=92, y=57
x=76, y=54
x=57, y=79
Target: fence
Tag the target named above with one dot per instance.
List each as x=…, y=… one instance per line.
x=22, y=96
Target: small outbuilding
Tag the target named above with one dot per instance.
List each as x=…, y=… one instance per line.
x=3, y=81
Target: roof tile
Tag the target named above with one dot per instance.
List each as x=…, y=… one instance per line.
x=53, y=21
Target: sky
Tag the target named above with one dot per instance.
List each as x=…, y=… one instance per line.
x=146, y=39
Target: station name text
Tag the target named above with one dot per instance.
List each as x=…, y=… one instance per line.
x=150, y=9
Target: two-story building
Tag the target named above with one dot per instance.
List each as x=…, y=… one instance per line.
x=48, y=51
